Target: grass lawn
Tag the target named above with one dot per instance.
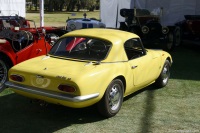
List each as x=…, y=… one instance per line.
x=172, y=109
x=52, y=19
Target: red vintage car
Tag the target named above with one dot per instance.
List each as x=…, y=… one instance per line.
x=20, y=40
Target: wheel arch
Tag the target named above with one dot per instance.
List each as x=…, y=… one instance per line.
x=163, y=62
x=122, y=78
x=170, y=60
x=7, y=59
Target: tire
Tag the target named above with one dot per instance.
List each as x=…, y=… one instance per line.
x=162, y=80
x=3, y=74
x=112, y=100
x=169, y=44
x=178, y=36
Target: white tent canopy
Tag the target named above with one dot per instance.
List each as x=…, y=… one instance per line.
x=173, y=10
x=12, y=7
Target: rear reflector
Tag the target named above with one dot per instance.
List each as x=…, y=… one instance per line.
x=17, y=78
x=66, y=88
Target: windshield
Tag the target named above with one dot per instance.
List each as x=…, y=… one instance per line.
x=9, y=22
x=81, y=48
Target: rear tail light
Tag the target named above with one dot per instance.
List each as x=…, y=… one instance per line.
x=66, y=88
x=17, y=78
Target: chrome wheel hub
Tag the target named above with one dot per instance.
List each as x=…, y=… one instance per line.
x=114, y=97
x=165, y=74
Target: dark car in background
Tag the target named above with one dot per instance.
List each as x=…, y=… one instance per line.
x=148, y=27
x=188, y=30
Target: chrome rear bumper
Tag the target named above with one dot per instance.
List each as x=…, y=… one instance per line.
x=50, y=94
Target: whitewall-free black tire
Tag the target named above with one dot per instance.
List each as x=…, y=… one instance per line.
x=111, y=102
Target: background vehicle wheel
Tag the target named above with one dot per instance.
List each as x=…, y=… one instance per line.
x=3, y=74
x=169, y=44
x=112, y=100
x=178, y=36
x=164, y=75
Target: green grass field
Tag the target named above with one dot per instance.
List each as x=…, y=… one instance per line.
x=59, y=19
x=172, y=109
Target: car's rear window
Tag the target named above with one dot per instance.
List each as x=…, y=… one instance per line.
x=81, y=48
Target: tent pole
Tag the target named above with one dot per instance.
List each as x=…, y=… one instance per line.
x=41, y=13
x=100, y=10
x=134, y=3
x=135, y=8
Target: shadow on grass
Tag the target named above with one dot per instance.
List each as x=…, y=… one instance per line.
x=146, y=120
x=186, y=62
x=149, y=107
x=18, y=114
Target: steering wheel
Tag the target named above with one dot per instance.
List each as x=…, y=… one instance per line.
x=97, y=47
x=22, y=37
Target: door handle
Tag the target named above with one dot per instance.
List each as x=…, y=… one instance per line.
x=133, y=67
x=39, y=50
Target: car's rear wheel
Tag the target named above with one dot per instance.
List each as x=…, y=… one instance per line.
x=178, y=37
x=169, y=45
x=112, y=100
x=164, y=75
x=3, y=74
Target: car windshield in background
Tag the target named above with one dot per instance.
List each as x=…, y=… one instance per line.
x=81, y=48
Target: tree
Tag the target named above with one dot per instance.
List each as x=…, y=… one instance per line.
x=55, y=5
x=35, y=2
x=91, y=4
x=70, y=5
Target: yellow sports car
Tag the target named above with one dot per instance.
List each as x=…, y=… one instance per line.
x=91, y=66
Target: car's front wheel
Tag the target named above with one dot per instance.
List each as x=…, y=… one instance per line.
x=112, y=100
x=162, y=80
x=178, y=38
x=169, y=44
x=3, y=74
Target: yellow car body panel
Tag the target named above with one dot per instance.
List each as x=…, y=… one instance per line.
x=90, y=78
x=93, y=79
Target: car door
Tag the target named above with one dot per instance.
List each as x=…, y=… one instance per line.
x=144, y=65
x=36, y=48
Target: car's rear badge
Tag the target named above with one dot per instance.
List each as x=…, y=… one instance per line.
x=39, y=76
x=63, y=77
x=40, y=81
